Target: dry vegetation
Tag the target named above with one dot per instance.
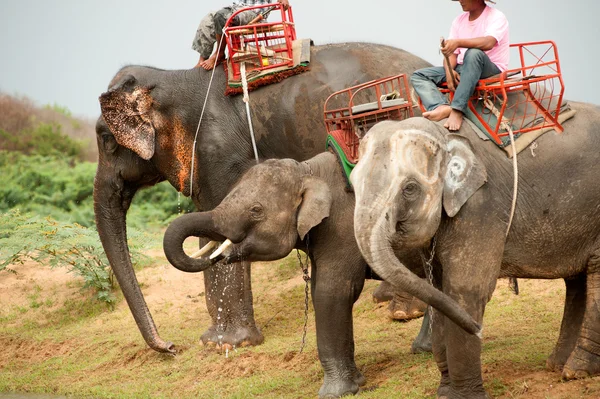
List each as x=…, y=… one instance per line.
x=19, y=115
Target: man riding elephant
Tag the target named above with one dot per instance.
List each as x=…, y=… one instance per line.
x=478, y=47
x=210, y=30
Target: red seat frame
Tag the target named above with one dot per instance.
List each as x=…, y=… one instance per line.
x=274, y=38
x=544, y=56
x=348, y=126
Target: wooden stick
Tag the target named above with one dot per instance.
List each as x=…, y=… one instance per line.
x=447, y=64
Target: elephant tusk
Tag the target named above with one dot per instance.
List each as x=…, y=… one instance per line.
x=221, y=249
x=204, y=250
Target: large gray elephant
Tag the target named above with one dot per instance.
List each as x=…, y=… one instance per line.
x=283, y=204
x=417, y=186
x=146, y=135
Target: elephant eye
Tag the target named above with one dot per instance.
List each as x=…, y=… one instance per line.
x=411, y=190
x=256, y=210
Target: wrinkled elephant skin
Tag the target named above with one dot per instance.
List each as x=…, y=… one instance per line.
x=415, y=181
x=146, y=135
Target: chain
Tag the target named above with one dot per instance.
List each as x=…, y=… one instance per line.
x=429, y=273
x=306, y=279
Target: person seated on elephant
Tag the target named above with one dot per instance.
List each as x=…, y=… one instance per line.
x=477, y=48
x=211, y=27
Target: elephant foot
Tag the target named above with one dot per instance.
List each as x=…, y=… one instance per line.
x=359, y=378
x=581, y=364
x=337, y=388
x=556, y=361
x=405, y=310
x=383, y=293
x=231, y=338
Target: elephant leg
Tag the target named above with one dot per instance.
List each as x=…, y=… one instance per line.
x=229, y=301
x=584, y=361
x=422, y=343
x=471, y=284
x=571, y=323
x=438, y=347
x=333, y=295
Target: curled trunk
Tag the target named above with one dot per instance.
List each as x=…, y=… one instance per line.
x=110, y=208
x=379, y=255
x=197, y=224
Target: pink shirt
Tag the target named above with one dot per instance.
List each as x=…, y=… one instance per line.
x=491, y=22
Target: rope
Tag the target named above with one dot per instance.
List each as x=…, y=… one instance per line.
x=212, y=75
x=247, y=101
x=504, y=123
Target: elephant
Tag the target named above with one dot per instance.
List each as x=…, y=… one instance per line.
x=149, y=132
x=449, y=195
x=282, y=204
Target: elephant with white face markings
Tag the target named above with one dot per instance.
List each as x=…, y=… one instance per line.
x=416, y=185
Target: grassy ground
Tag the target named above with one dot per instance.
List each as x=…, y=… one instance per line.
x=55, y=339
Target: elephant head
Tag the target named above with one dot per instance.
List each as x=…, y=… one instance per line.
x=407, y=172
x=268, y=211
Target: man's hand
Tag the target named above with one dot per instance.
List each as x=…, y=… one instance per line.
x=285, y=3
x=449, y=47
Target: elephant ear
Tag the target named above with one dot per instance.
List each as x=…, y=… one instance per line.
x=315, y=206
x=464, y=174
x=126, y=108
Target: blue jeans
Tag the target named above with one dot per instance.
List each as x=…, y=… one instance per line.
x=476, y=65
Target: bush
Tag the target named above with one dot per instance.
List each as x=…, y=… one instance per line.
x=62, y=188
x=46, y=139
x=48, y=242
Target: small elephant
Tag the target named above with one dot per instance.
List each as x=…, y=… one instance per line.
x=418, y=186
x=280, y=205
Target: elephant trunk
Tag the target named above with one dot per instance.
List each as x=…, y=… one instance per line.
x=375, y=246
x=110, y=208
x=198, y=224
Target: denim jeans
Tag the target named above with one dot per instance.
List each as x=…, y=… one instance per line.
x=476, y=65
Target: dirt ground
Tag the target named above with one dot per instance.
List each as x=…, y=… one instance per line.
x=175, y=292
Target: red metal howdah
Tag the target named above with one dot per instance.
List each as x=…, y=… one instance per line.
x=262, y=45
x=351, y=112
x=538, y=85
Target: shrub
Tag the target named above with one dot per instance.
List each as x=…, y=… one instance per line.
x=46, y=241
x=45, y=139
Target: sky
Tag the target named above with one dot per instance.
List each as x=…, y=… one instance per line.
x=65, y=52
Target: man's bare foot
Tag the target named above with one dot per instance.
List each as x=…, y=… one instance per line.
x=441, y=112
x=455, y=121
x=209, y=63
x=200, y=61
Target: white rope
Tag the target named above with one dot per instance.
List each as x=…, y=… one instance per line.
x=247, y=101
x=212, y=75
x=504, y=123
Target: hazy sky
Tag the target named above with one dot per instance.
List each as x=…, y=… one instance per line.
x=66, y=51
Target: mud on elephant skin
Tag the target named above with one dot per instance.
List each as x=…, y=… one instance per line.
x=280, y=205
x=146, y=134
x=416, y=182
